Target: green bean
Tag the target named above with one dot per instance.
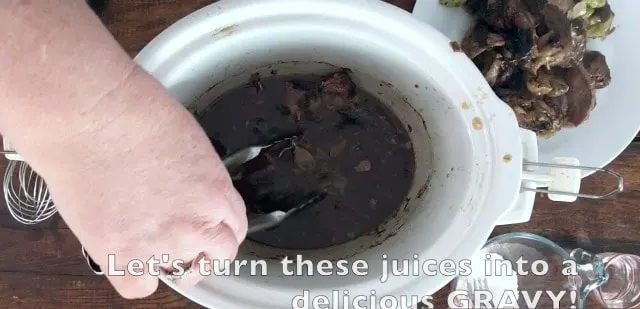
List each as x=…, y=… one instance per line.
x=596, y=4
x=452, y=3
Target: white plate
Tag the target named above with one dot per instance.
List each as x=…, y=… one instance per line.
x=616, y=119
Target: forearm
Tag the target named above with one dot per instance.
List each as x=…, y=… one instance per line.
x=65, y=78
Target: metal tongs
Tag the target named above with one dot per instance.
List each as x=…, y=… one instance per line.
x=262, y=222
x=257, y=222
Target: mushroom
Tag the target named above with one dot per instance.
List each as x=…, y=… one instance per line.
x=479, y=38
x=533, y=113
x=504, y=15
x=581, y=98
x=498, y=70
x=566, y=41
x=491, y=12
x=596, y=65
x=533, y=54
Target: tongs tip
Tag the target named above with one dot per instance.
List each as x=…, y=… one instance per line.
x=311, y=200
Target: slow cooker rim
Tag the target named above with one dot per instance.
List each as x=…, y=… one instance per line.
x=177, y=28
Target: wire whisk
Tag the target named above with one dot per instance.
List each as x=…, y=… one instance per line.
x=25, y=192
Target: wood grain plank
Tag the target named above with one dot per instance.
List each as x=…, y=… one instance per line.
x=41, y=251
x=135, y=23
x=8, y=222
x=29, y=291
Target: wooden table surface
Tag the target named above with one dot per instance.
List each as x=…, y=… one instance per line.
x=40, y=266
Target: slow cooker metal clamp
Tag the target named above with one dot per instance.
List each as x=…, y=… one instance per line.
x=562, y=182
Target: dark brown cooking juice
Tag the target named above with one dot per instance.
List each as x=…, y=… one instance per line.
x=349, y=146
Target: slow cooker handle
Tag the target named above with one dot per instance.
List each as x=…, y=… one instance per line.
x=561, y=177
x=563, y=181
x=560, y=180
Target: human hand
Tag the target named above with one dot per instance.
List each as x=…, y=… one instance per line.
x=143, y=184
x=130, y=171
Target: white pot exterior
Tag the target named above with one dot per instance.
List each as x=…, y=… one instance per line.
x=462, y=156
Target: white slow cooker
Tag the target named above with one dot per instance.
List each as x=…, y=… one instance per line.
x=468, y=145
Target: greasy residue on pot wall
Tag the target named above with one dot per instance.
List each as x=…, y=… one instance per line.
x=476, y=123
x=223, y=32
